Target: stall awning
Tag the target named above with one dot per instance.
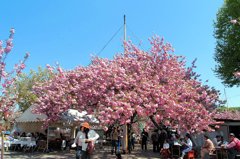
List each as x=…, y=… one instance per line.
x=28, y=116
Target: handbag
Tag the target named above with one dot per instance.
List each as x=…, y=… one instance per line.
x=90, y=147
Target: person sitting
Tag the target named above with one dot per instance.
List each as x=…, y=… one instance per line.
x=218, y=141
x=207, y=147
x=23, y=135
x=165, y=152
x=177, y=140
x=187, y=146
x=233, y=146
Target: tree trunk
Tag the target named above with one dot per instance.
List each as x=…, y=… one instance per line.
x=154, y=122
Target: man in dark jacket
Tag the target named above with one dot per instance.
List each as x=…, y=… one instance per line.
x=144, y=136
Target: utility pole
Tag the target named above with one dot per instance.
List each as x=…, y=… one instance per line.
x=226, y=97
x=125, y=31
x=125, y=128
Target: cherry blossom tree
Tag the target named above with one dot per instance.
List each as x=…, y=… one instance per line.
x=155, y=85
x=7, y=78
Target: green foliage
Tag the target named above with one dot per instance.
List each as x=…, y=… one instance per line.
x=25, y=84
x=222, y=108
x=227, y=51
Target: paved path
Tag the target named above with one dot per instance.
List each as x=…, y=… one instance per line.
x=99, y=154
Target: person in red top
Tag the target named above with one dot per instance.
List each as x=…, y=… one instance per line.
x=231, y=146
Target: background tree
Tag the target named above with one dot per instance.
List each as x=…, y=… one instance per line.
x=227, y=34
x=24, y=86
x=154, y=84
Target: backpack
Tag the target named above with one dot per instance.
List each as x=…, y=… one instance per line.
x=237, y=147
x=90, y=147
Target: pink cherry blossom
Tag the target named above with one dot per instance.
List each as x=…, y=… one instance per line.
x=7, y=49
x=153, y=86
x=237, y=74
x=7, y=79
x=233, y=21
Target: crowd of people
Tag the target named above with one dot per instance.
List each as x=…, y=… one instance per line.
x=163, y=142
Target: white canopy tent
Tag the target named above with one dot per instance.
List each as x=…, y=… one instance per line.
x=28, y=116
x=36, y=120
x=30, y=122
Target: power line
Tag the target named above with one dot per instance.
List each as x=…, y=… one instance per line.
x=134, y=35
x=109, y=41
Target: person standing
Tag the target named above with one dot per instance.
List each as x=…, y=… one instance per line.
x=78, y=143
x=162, y=137
x=133, y=140
x=114, y=137
x=208, y=147
x=144, y=136
x=87, y=137
x=154, y=138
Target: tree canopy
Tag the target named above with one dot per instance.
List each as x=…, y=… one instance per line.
x=154, y=84
x=24, y=86
x=227, y=34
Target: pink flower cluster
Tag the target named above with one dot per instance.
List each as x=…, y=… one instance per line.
x=7, y=79
x=134, y=85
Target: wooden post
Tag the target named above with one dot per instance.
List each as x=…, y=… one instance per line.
x=47, y=139
x=125, y=138
x=2, y=149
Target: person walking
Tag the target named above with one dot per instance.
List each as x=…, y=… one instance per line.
x=144, y=136
x=86, y=138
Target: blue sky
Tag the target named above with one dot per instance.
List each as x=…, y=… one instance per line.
x=69, y=32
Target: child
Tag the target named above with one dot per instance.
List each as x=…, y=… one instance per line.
x=165, y=152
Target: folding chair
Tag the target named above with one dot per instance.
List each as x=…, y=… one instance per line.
x=42, y=145
x=176, y=152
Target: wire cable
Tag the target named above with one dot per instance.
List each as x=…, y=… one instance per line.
x=136, y=37
x=109, y=41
